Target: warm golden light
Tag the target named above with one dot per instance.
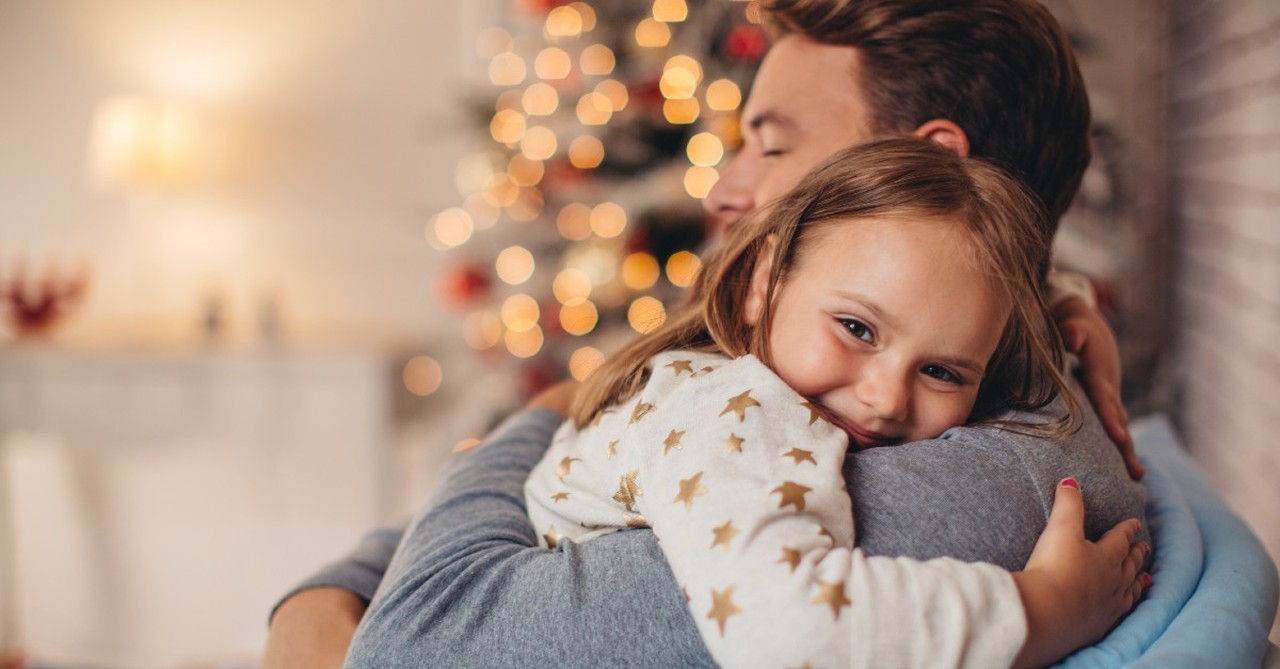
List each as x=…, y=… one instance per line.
x=524, y=343
x=422, y=375
x=586, y=152
x=483, y=214
x=686, y=62
x=473, y=172
x=520, y=312
x=579, y=319
x=507, y=127
x=652, y=34
x=588, y=15
x=595, y=109
x=527, y=207
x=670, y=11
x=512, y=98
x=142, y=143
x=482, y=330
x=616, y=91
x=678, y=83
x=514, y=265
x=698, y=181
x=507, y=69
x=539, y=143
x=574, y=222
x=501, y=190
x=553, y=63
x=584, y=362
x=682, y=268
x=600, y=265
x=540, y=99
x=564, y=21
x=640, y=271
x=608, y=219
x=493, y=41
x=723, y=95
x=646, y=314
x=525, y=171
x=597, y=60
x=681, y=112
x=705, y=149
x=571, y=286
x=453, y=227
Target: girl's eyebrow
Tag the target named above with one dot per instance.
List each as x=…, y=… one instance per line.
x=880, y=315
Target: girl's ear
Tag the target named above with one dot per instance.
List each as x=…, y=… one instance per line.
x=758, y=291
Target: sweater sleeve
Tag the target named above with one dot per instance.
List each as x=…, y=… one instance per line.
x=750, y=508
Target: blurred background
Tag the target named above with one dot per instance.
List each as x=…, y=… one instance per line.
x=263, y=266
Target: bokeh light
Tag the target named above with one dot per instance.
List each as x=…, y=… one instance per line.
x=723, y=95
x=525, y=343
x=698, y=181
x=608, y=219
x=527, y=206
x=670, y=11
x=571, y=286
x=520, y=312
x=453, y=227
x=482, y=330
x=705, y=149
x=597, y=60
x=422, y=375
x=646, y=314
x=616, y=91
x=493, y=41
x=507, y=127
x=682, y=268
x=540, y=99
x=524, y=171
x=640, y=271
x=483, y=214
x=584, y=362
x=538, y=143
x=678, y=83
x=501, y=191
x=586, y=152
x=514, y=265
x=579, y=319
x=574, y=222
x=595, y=109
x=564, y=21
x=553, y=63
x=681, y=112
x=507, y=69
x=652, y=34
x=587, y=14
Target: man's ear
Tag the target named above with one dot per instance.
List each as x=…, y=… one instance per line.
x=946, y=133
x=758, y=291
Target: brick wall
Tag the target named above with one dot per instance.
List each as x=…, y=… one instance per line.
x=1224, y=149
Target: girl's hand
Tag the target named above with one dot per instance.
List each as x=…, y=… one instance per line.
x=1087, y=335
x=1074, y=590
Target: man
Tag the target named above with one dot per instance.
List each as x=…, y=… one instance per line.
x=987, y=78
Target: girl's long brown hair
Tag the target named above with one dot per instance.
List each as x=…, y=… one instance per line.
x=883, y=178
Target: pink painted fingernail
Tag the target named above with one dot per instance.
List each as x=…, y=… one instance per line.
x=1146, y=580
x=1069, y=482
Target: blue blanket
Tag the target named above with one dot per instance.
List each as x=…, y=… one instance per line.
x=1214, y=588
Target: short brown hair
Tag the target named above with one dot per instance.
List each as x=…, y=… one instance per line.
x=887, y=177
x=1002, y=70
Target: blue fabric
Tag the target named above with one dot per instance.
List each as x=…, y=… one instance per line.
x=1214, y=588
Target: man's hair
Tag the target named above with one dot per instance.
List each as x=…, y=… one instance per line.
x=1002, y=70
x=894, y=178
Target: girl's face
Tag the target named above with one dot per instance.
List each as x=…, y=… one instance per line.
x=886, y=325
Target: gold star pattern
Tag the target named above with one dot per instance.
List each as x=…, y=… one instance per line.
x=690, y=488
x=724, y=534
x=634, y=521
x=739, y=404
x=800, y=455
x=814, y=412
x=552, y=536
x=562, y=469
x=734, y=442
x=824, y=532
x=792, y=493
x=708, y=369
x=685, y=590
x=681, y=366
x=791, y=556
x=612, y=449
x=672, y=441
x=642, y=409
x=832, y=594
x=722, y=607
x=560, y=497
x=628, y=490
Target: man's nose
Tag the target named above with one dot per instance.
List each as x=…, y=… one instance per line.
x=733, y=195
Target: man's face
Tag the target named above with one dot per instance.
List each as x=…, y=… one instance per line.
x=804, y=106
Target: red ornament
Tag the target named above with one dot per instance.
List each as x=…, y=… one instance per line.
x=464, y=284
x=543, y=6
x=746, y=43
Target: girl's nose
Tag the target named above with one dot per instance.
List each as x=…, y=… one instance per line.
x=886, y=393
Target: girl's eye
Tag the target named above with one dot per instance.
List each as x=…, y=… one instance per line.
x=941, y=373
x=858, y=329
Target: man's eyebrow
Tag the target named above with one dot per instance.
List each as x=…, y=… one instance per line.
x=770, y=117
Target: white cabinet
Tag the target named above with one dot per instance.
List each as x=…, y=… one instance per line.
x=154, y=505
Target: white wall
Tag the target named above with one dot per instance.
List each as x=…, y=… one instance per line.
x=333, y=131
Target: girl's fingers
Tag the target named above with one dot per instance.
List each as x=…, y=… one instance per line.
x=1119, y=539
x=1067, y=516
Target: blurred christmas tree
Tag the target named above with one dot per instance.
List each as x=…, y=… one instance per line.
x=581, y=217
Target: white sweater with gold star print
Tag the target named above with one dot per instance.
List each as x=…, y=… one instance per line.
x=741, y=481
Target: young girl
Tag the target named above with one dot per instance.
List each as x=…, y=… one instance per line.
x=892, y=295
